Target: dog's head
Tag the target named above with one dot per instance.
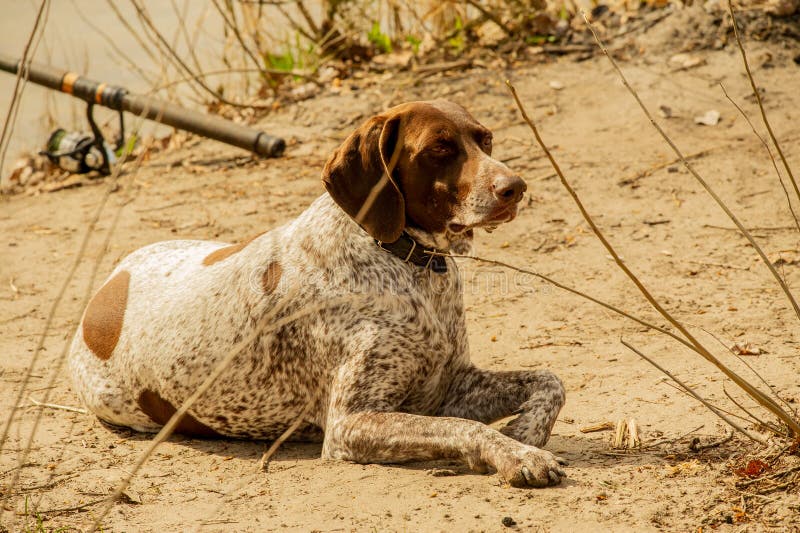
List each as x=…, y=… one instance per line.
x=442, y=179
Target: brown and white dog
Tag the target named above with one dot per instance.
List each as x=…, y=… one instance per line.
x=388, y=375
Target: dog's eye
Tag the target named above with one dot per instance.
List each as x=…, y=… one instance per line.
x=442, y=149
x=486, y=143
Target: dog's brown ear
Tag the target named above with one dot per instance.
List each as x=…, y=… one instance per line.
x=356, y=179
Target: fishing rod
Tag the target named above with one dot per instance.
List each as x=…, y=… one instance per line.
x=81, y=153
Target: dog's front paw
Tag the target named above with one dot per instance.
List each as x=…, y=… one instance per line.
x=531, y=467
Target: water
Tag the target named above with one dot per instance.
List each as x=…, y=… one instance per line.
x=73, y=40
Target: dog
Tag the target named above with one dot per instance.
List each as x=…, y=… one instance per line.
x=384, y=377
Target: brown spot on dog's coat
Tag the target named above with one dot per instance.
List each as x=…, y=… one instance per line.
x=271, y=277
x=102, y=321
x=227, y=251
x=160, y=411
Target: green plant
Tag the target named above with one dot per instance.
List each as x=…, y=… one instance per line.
x=539, y=39
x=415, y=42
x=457, y=42
x=381, y=41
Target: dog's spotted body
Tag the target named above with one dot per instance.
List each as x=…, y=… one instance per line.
x=385, y=376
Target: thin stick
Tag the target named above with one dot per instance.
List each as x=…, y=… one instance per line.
x=210, y=73
x=759, y=396
x=235, y=29
x=753, y=417
x=577, y=292
x=769, y=152
x=37, y=403
x=673, y=439
x=71, y=509
x=112, y=43
x=751, y=369
x=262, y=465
x=491, y=16
x=113, y=186
x=149, y=22
x=718, y=408
x=714, y=444
x=697, y=397
x=709, y=190
x=758, y=99
x=50, y=316
x=264, y=462
x=264, y=326
x=21, y=79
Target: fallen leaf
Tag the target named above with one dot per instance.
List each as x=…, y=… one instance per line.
x=754, y=468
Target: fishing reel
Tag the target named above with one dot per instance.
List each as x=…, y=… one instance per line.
x=81, y=153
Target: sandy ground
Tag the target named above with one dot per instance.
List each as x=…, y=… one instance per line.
x=666, y=227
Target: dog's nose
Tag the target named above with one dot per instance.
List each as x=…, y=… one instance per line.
x=508, y=189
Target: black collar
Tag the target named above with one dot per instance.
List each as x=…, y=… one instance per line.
x=410, y=251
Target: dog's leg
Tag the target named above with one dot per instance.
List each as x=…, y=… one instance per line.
x=482, y=395
x=362, y=427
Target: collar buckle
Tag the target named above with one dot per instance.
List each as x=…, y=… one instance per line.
x=398, y=249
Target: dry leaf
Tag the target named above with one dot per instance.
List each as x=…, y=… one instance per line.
x=753, y=468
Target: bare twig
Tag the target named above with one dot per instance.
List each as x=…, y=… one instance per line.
x=112, y=186
x=207, y=74
x=577, y=292
x=19, y=84
x=754, y=392
x=709, y=190
x=235, y=29
x=757, y=374
x=769, y=152
x=296, y=25
x=672, y=439
x=71, y=508
x=772, y=427
x=176, y=57
x=37, y=403
x=112, y=43
x=759, y=396
x=696, y=396
x=758, y=99
x=301, y=7
x=263, y=464
x=56, y=303
x=266, y=324
x=701, y=447
x=491, y=16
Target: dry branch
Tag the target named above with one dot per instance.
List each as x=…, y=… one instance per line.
x=696, y=396
x=267, y=324
x=19, y=84
x=145, y=17
x=758, y=99
x=769, y=152
x=263, y=464
x=112, y=187
x=709, y=190
x=754, y=392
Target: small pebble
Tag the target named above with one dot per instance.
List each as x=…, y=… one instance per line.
x=508, y=521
